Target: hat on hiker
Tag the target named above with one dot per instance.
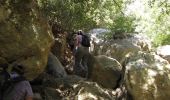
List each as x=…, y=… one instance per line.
x=80, y=32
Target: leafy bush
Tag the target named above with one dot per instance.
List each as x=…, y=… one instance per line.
x=82, y=14
x=161, y=39
x=123, y=24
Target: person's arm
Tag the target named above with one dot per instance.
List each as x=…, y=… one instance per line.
x=28, y=98
x=29, y=92
x=76, y=41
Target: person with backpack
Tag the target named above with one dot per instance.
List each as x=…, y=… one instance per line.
x=16, y=87
x=82, y=44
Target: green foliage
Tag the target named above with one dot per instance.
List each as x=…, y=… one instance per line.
x=154, y=21
x=70, y=14
x=161, y=27
x=123, y=24
x=89, y=14
x=161, y=39
x=81, y=14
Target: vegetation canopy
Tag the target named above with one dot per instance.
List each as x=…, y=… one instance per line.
x=149, y=17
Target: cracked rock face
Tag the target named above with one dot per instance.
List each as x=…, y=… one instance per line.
x=147, y=77
x=25, y=37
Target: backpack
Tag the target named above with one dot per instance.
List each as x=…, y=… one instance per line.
x=85, y=41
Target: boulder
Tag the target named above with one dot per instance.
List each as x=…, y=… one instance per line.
x=54, y=67
x=52, y=88
x=121, y=48
x=25, y=37
x=73, y=87
x=106, y=71
x=51, y=94
x=92, y=91
x=164, y=52
x=147, y=77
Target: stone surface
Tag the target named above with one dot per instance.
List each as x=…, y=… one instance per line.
x=54, y=67
x=92, y=91
x=148, y=77
x=73, y=88
x=106, y=72
x=121, y=48
x=25, y=37
x=164, y=52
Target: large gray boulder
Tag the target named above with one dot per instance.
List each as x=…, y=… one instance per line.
x=54, y=67
x=147, y=77
x=25, y=37
x=164, y=52
x=121, y=48
x=106, y=71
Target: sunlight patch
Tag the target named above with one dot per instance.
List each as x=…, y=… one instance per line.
x=35, y=30
x=151, y=81
x=145, y=86
x=169, y=76
x=168, y=66
x=159, y=66
x=38, y=63
x=85, y=96
x=151, y=72
x=165, y=50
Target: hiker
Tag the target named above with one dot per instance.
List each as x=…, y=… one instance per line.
x=16, y=87
x=81, y=55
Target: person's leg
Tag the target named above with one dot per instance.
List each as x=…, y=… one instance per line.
x=85, y=60
x=78, y=59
